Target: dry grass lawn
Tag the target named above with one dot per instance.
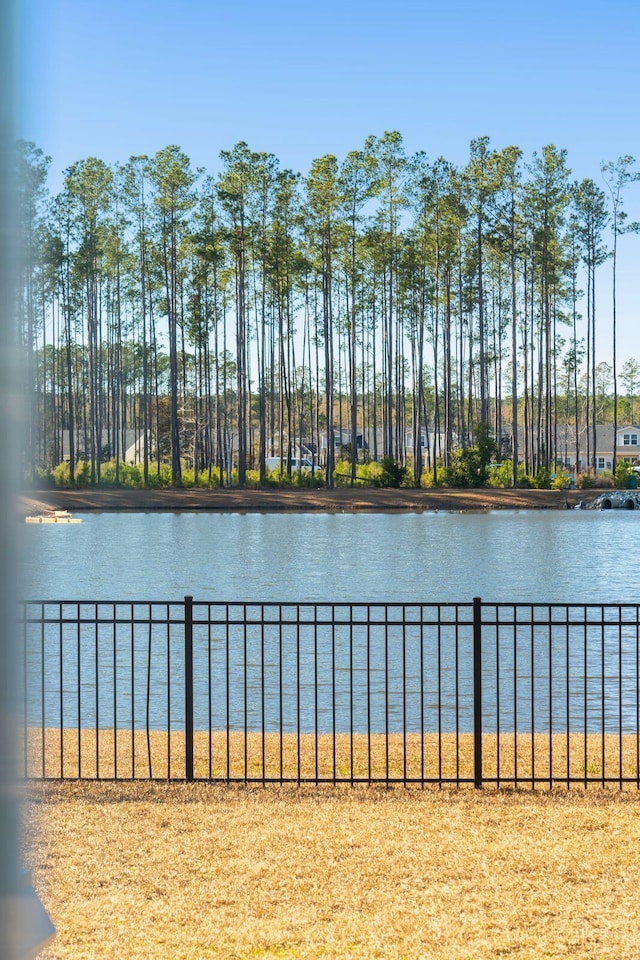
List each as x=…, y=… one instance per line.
x=178, y=871
x=69, y=754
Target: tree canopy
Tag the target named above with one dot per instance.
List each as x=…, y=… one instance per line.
x=383, y=305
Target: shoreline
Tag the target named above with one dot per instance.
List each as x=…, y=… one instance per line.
x=340, y=500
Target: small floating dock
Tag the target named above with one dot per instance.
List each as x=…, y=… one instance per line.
x=56, y=516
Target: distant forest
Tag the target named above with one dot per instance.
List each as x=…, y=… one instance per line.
x=382, y=305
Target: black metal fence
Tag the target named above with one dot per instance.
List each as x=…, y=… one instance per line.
x=413, y=693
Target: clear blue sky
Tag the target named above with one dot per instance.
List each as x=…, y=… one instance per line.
x=301, y=79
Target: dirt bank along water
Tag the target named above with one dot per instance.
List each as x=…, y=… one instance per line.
x=302, y=501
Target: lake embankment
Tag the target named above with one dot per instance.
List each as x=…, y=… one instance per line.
x=343, y=499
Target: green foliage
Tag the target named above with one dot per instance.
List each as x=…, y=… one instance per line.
x=302, y=479
x=466, y=469
x=207, y=482
x=542, y=479
x=500, y=474
x=129, y=475
x=277, y=482
x=523, y=481
x=44, y=478
x=387, y=473
x=272, y=479
x=623, y=471
x=187, y=478
x=367, y=474
x=392, y=474
x=252, y=479
x=352, y=231
x=470, y=467
x=108, y=474
x=485, y=444
x=586, y=482
x=83, y=473
x=310, y=481
x=427, y=480
x=160, y=478
x=61, y=475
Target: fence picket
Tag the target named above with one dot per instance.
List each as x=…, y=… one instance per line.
x=403, y=693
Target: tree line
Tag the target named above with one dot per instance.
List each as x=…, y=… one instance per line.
x=382, y=305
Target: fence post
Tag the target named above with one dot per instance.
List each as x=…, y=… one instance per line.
x=477, y=693
x=188, y=687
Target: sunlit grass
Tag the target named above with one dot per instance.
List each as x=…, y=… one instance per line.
x=232, y=756
x=149, y=871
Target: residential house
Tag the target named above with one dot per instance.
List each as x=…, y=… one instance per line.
x=133, y=446
x=627, y=446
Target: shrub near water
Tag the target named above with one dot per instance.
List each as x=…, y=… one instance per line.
x=132, y=476
x=62, y=474
x=366, y=473
x=298, y=478
x=501, y=476
x=160, y=478
x=387, y=473
x=392, y=474
x=127, y=475
x=622, y=474
x=470, y=467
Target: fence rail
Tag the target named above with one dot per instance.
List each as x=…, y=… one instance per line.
x=414, y=693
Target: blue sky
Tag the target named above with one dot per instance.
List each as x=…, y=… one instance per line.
x=304, y=79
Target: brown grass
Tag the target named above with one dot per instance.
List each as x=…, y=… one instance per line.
x=235, y=757
x=153, y=871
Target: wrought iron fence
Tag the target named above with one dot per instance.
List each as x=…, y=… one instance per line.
x=413, y=693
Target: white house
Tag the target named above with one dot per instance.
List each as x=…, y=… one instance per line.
x=133, y=452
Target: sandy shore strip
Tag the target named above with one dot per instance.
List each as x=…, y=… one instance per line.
x=342, y=500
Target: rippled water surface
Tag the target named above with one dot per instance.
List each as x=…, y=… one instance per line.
x=253, y=673
x=551, y=556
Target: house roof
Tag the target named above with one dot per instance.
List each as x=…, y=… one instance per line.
x=131, y=439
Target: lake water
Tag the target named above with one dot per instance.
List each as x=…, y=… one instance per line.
x=549, y=556
x=285, y=677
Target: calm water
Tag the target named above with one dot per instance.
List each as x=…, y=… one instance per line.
x=552, y=556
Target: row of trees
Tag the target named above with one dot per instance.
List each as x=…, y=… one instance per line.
x=385, y=303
